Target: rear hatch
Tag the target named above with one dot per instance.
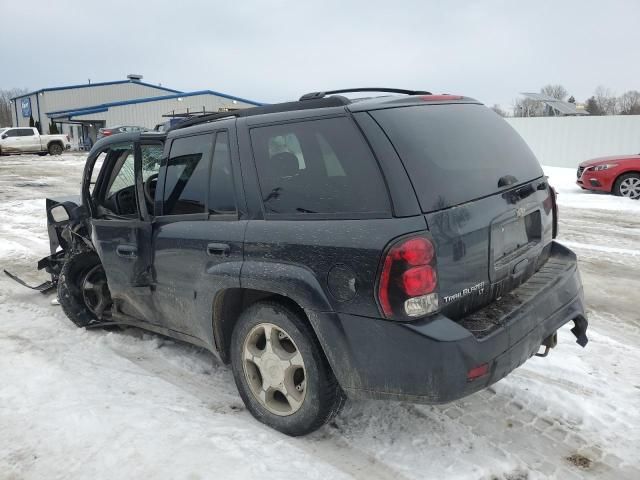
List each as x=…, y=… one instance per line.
x=483, y=194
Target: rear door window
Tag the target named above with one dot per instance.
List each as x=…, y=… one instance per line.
x=318, y=166
x=186, y=184
x=456, y=153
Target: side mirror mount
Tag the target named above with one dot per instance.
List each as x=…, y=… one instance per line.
x=4, y=135
x=59, y=213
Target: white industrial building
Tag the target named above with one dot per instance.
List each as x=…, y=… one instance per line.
x=80, y=110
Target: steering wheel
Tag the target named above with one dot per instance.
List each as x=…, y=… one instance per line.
x=150, y=188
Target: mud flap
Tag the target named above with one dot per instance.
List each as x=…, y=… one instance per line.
x=42, y=288
x=580, y=330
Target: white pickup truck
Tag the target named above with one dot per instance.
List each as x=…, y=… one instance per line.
x=28, y=140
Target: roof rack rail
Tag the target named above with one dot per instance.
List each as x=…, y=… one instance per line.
x=336, y=101
x=316, y=95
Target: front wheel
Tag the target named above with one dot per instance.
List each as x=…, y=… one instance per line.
x=628, y=185
x=281, y=372
x=82, y=289
x=55, y=149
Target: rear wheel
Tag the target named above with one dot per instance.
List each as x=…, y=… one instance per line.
x=55, y=149
x=82, y=289
x=281, y=372
x=628, y=185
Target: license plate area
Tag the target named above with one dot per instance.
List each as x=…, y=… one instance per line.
x=512, y=240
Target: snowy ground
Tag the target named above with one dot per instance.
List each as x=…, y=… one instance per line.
x=104, y=405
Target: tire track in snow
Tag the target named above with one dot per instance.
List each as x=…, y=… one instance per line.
x=326, y=445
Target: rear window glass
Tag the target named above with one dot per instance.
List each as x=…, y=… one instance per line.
x=317, y=166
x=456, y=153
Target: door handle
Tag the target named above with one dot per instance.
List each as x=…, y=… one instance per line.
x=127, y=251
x=221, y=249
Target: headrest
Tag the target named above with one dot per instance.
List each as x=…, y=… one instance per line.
x=284, y=164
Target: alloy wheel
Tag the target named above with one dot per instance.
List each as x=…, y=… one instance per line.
x=274, y=369
x=630, y=187
x=95, y=291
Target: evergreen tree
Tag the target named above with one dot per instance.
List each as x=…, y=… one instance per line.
x=593, y=107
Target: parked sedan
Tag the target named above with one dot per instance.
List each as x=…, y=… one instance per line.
x=106, y=132
x=618, y=174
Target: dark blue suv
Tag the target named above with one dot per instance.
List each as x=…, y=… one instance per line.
x=398, y=247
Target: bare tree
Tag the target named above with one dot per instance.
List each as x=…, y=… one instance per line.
x=554, y=91
x=6, y=105
x=606, y=100
x=629, y=103
x=496, y=108
x=526, y=107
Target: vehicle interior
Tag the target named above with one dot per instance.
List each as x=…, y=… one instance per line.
x=115, y=192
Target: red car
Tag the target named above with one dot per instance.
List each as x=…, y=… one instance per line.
x=618, y=174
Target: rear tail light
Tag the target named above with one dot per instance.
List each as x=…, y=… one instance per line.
x=106, y=133
x=554, y=210
x=407, y=287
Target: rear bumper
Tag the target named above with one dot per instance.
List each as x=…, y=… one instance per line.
x=428, y=361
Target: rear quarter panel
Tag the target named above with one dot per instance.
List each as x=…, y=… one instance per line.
x=345, y=253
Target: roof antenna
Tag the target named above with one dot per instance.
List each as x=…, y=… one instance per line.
x=89, y=81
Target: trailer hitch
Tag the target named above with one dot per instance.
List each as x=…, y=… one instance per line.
x=548, y=343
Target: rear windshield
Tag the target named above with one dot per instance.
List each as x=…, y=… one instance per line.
x=456, y=153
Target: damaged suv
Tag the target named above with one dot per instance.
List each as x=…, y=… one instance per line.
x=395, y=247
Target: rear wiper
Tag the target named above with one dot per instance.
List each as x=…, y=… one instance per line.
x=507, y=180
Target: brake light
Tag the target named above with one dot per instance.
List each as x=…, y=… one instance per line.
x=439, y=98
x=408, y=279
x=554, y=212
x=106, y=133
x=419, y=280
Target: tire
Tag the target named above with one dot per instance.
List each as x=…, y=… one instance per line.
x=76, y=303
x=318, y=396
x=55, y=149
x=627, y=185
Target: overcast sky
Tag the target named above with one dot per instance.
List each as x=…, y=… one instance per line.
x=276, y=50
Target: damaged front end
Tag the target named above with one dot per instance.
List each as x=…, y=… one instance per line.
x=67, y=229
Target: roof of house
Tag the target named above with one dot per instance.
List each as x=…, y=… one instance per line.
x=99, y=84
x=105, y=106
